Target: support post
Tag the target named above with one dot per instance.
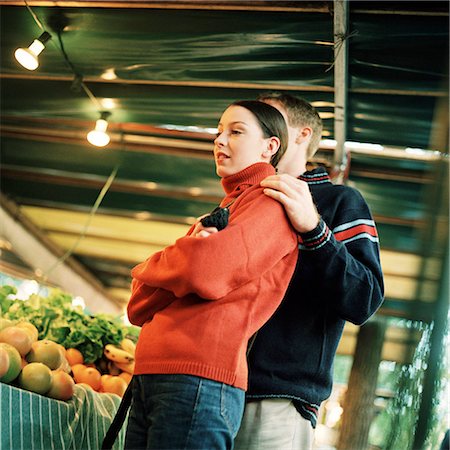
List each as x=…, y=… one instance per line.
x=358, y=404
x=341, y=19
x=439, y=216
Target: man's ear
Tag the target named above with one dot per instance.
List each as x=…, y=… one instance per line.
x=273, y=144
x=303, y=135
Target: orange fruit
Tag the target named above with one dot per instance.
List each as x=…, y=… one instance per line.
x=19, y=338
x=126, y=376
x=62, y=386
x=77, y=369
x=103, y=378
x=90, y=376
x=114, y=385
x=15, y=363
x=4, y=362
x=27, y=326
x=36, y=377
x=5, y=323
x=74, y=356
x=46, y=352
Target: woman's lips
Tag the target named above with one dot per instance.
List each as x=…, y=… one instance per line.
x=220, y=156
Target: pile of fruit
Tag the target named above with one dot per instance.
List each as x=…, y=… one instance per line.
x=47, y=346
x=46, y=367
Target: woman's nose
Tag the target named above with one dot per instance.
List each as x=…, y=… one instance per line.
x=220, y=139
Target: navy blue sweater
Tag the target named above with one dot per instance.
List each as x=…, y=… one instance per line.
x=338, y=278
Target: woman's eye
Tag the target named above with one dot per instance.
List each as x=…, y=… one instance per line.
x=236, y=132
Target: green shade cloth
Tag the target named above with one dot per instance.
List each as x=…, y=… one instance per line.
x=33, y=421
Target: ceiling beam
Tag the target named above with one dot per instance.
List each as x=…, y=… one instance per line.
x=124, y=135
x=136, y=138
x=269, y=6
x=388, y=10
x=143, y=216
x=38, y=251
x=104, y=226
x=403, y=175
x=225, y=85
x=123, y=142
x=62, y=178
x=183, y=83
x=123, y=127
x=255, y=5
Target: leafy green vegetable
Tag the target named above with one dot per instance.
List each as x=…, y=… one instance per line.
x=56, y=319
x=5, y=302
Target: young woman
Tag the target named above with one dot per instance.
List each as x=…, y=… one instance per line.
x=200, y=300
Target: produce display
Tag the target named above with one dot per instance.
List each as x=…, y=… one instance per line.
x=47, y=346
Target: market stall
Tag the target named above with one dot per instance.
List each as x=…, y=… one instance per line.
x=30, y=420
x=63, y=370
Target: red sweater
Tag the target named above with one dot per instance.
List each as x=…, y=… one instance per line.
x=200, y=300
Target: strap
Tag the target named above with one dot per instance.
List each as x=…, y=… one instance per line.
x=119, y=419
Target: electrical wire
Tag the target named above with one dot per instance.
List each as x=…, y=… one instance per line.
x=78, y=76
x=78, y=79
x=339, y=42
x=35, y=17
x=82, y=235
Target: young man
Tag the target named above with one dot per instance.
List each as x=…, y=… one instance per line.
x=338, y=278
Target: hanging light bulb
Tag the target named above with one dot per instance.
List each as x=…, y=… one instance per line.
x=98, y=136
x=28, y=57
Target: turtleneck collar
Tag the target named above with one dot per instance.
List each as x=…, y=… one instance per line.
x=235, y=184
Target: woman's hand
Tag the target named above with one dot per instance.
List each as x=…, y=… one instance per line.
x=295, y=196
x=201, y=231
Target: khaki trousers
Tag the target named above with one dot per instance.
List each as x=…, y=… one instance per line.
x=273, y=424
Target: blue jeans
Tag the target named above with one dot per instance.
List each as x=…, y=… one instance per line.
x=183, y=412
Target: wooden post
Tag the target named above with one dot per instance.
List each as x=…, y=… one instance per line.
x=341, y=21
x=358, y=405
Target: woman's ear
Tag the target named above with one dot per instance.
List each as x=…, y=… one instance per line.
x=273, y=144
x=303, y=135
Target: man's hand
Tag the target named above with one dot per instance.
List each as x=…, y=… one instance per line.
x=296, y=198
x=201, y=231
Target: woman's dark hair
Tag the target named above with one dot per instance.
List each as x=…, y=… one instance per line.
x=272, y=124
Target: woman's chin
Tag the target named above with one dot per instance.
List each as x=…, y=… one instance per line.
x=222, y=172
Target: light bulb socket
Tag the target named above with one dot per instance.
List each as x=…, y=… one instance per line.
x=104, y=115
x=44, y=37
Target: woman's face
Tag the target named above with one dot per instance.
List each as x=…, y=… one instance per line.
x=240, y=142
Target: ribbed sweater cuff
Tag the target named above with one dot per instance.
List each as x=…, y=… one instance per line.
x=315, y=239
